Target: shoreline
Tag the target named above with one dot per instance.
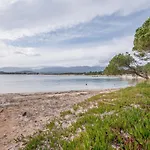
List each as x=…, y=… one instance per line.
x=60, y=92
x=125, y=76
x=23, y=114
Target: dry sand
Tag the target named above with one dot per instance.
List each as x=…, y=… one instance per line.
x=24, y=114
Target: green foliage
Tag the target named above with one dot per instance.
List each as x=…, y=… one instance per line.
x=128, y=130
x=126, y=64
x=147, y=68
x=94, y=73
x=65, y=113
x=119, y=64
x=112, y=70
x=142, y=38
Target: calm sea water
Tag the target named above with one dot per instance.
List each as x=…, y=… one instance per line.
x=43, y=83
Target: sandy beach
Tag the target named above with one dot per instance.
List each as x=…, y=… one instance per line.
x=22, y=115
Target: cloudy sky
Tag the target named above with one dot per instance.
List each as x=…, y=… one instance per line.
x=67, y=32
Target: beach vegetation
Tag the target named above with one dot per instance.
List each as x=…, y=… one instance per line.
x=117, y=120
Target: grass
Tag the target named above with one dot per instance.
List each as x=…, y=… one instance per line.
x=117, y=120
x=63, y=114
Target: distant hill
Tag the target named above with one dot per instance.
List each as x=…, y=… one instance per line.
x=14, y=69
x=76, y=69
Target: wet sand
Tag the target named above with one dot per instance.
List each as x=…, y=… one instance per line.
x=22, y=115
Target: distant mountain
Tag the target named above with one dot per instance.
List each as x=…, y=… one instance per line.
x=76, y=69
x=14, y=69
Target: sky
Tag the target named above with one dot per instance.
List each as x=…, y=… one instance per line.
x=35, y=33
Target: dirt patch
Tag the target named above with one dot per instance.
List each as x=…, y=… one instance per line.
x=23, y=114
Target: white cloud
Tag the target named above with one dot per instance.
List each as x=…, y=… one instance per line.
x=29, y=17
x=10, y=51
x=19, y=18
x=99, y=55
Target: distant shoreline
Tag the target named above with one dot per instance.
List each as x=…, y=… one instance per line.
x=18, y=73
x=126, y=76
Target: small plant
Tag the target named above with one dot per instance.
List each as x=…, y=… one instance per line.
x=68, y=112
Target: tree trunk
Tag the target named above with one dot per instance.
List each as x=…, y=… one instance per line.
x=143, y=75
